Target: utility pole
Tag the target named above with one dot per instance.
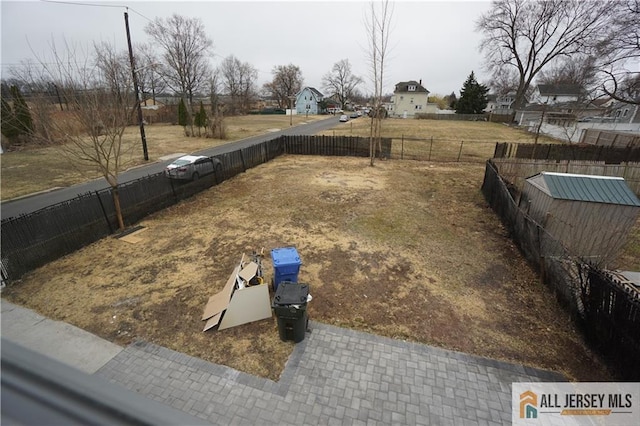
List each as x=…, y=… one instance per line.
x=137, y=90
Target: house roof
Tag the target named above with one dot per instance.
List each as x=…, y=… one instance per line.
x=590, y=188
x=313, y=90
x=559, y=89
x=403, y=86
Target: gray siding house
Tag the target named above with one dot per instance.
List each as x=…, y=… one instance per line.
x=307, y=101
x=590, y=215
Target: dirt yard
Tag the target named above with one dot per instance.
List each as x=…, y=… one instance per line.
x=405, y=249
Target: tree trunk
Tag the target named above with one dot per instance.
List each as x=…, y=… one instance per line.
x=116, y=205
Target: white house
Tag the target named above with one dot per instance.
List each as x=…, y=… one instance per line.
x=500, y=104
x=625, y=113
x=410, y=98
x=551, y=94
x=307, y=101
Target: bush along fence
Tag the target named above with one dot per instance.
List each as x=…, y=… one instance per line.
x=35, y=239
x=608, y=154
x=608, y=315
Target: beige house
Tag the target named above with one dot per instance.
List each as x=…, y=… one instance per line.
x=410, y=98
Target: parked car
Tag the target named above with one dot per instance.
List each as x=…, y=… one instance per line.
x=191, y=167
x=344, y=118
x=354, y=115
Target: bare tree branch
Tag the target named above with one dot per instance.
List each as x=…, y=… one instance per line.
x=527, y=35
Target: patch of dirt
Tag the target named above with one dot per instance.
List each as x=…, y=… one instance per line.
x=405, y=249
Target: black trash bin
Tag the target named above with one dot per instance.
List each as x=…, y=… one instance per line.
x=290, y=307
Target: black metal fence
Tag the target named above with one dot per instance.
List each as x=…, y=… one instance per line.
x=612, y=317
x=608, y=154
x=609, y=316
x=38, y=238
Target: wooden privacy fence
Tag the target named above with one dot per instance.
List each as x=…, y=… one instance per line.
x=35, y=239
x=609, y=138
x=351, y=146
x=609, y=315
x=612, y=155
x=517, y=170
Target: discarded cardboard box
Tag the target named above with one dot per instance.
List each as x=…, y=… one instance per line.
x=237, y=303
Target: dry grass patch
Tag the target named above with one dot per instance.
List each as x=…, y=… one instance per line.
x=406, y=249
x=37, y=169
x=440, y=140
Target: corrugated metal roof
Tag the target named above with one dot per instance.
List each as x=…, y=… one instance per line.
x=597, y=189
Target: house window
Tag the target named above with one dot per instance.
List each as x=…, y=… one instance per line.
x=418, y=106
x=401, y=98
x=412, y=88
x=626, y=111
x=411, y=100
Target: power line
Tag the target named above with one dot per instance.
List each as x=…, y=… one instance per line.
x=140, y=14
x=73, y=3
x=83, y=4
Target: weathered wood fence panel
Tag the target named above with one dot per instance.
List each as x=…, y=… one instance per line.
x=610, y=138
x=612, y=155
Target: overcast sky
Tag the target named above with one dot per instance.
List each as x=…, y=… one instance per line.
x=432, y=41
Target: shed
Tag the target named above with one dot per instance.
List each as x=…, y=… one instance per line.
x=590, y=215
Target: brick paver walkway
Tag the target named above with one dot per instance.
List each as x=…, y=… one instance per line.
x=334, y=376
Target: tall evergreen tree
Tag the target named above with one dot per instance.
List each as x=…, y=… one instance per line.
x=200, y=119
x=182, y=113
x=9, y=128
x=21, y=111
x=473, y=97
x=452, y=98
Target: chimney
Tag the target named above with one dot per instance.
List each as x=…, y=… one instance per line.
x=420, y=82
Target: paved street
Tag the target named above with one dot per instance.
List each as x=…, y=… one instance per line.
x=26, y=205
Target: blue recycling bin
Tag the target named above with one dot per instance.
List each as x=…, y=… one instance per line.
x=286, y=265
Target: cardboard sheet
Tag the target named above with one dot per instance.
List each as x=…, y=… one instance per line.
x=249, y=271
x=235, y=306
x=134, y=237
x=247, y=305
x=219, y=301
x=212, y=322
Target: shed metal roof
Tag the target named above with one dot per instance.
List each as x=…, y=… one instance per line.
x=591, y=188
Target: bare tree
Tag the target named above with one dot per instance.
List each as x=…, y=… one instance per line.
x=216, y=127
x=527, y=36
x=149, y=72
x=99, y=102
x=619, y=52
x=377, y=26
x=239, y=82
x=185, y=53
x=340, y=82
x=287, y=81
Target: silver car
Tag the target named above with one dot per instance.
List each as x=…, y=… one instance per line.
x=191, y=167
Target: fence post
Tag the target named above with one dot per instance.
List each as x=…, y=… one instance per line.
x=104, y=212
x=430, y=147
x=402, y=148
x=460, y=152
x=244, y=167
